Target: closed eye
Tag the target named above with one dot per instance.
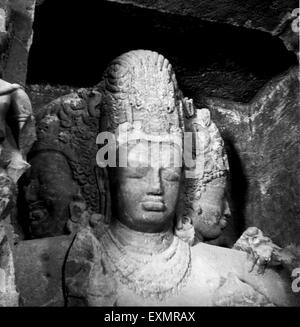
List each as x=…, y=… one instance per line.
x=138, y=172
x=170, y=175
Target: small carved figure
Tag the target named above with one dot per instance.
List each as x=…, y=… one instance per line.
x=264, y=252
x=15, y=114
x=203, y=195
x=15, y=104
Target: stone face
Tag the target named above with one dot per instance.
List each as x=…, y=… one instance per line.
x=203, y=199
x=262, y=140
x=63, y=165
x=150, y=265
x=138, y=250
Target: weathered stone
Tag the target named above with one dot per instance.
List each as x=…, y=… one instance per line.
x=64, y=169
x=262, y=139
x=138, y=252
x=203, y=196
x=234, y=292
x=290, y=35
x=268, y=16
x=17, y=134
x=39, y=269
x=5, y=29
x=8, y=293
x=210, y=59
x=19, y=37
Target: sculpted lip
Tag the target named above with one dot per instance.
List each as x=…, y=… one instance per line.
x=153, y=204
x=37, y=215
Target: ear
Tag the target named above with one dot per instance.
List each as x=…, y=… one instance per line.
x=77, y=197
x=77, y=209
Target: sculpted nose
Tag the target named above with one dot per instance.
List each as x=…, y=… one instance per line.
x=155, y=187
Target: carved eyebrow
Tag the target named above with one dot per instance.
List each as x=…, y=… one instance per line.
x=136, y=172
x=138, y=163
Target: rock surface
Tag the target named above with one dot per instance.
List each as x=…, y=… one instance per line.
x=16, y=37
x=39, y=265
x=211, y=59
x=264, y=15
x=218, y=49
x=8, y=294
x=262, y=140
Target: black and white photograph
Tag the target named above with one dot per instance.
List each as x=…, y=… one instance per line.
x=149, y=156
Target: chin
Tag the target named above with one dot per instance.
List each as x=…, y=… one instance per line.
x=153, y=220
x=210, y=232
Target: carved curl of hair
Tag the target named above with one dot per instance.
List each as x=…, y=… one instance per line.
x=139, y=80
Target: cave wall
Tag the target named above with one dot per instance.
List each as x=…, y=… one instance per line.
x=265, y=15
x=210, y=59
x=262, y=140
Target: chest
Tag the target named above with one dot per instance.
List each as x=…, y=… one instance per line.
x=197, y=290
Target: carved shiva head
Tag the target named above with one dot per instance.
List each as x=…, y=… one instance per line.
x=63, y=164
x=142, y=107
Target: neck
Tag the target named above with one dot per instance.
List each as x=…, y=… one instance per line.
x=146, y=243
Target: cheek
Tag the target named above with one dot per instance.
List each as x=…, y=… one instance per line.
x=58, y=203
x=131, y=191
x=171, y=192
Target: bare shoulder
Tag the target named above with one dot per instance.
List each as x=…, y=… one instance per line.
x=86, y=280
x=3, y=83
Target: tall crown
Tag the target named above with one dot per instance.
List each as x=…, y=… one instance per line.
x=140, y=91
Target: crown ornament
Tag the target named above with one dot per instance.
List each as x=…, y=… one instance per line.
x=141, y=98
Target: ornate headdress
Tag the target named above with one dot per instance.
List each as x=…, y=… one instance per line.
x=141, y=98
x=69, y=125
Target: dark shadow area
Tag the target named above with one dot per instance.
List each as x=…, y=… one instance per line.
x=22, y=209
x=74, y=41
x=237, y=187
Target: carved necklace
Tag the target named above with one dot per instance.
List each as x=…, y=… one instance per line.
x=150, y=275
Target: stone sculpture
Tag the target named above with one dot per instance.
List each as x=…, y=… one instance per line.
x=15, y=105
x=15, y=114
x=8, y=293
x=266, y=190
x=15, y=111
x=136, y=259
x=64, y=178
x=203, y=197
